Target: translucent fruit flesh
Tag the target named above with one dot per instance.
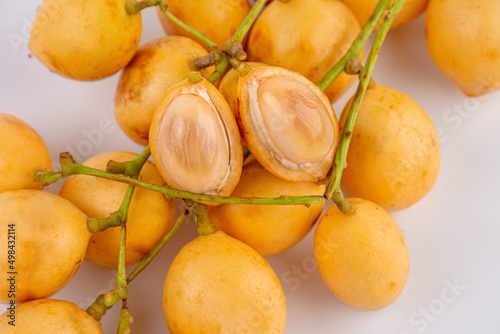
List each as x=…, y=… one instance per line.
x=295, y=121
x=194, y=125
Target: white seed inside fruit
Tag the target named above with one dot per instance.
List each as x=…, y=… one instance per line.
x=194, y=144
x=293, y=122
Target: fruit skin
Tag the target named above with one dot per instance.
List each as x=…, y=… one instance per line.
x=23, y=151
x=84, y=40
x=202, y=149
x=321, y=31
x=229, y=85
x=269, y=229
x=394, y=156
x=51, y=236
x=463, y=37
x=362, y=258
x=47, y=316
x=409, y=12
x=157, y=65
x=150, y=215
x=217, y=284
x=219, y=19
x=265, y=139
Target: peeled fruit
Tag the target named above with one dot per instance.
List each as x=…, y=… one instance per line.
x=84, y=39
x=150, y=215
x=158, y=65
x=217, y=284
x=287, y=123
x=410, y=11
x=23, y=151
x=219, y=19
x=394, y=155
x=195, y=141
x=51, y=236
x=229, y=85
x=49, y=316
x=320, y=31
x=269, y=229
x=363, y=257
x=463, y=37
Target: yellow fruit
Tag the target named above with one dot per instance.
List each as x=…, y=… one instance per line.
x=394, y=156
x=463, y=37
x=48, y=236
x=219, y=19
x=84, y=39
x=409, y=12
x=362, y=258
x=150, y=215
x=158, y=65
x=305, y=36
x=269, y=229
x=23, y=151
x=287, y=123
x=217, y=284
x=49, y=316
x=195, y=141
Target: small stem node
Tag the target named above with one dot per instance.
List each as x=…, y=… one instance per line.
x=353, y=66
x=194, y=76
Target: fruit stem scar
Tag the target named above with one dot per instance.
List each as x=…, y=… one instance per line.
x=194, y=76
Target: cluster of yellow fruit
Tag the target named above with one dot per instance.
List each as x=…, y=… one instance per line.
x=197, y=132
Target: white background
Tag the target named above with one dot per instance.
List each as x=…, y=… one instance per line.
x=452, y=234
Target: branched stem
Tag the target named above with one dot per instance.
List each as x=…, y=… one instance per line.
x=71, y=167
x=120, y=292
x=117, y=218
x=356, y=46
x=219, y=70
x=333, y=190
x=104, y=302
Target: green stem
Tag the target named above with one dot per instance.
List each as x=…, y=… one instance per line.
x=104, y=302
x=70, y=167
x=117, y=218
x=120, y=292
x=235, y=63
x=245, y=26
x=204, y=225
x=207, y=41
x=122, y=276
x=356, y=46
x=219, y=70
x=333, y=189
x=134, y=7
x=125, y=319
x=146, y=260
